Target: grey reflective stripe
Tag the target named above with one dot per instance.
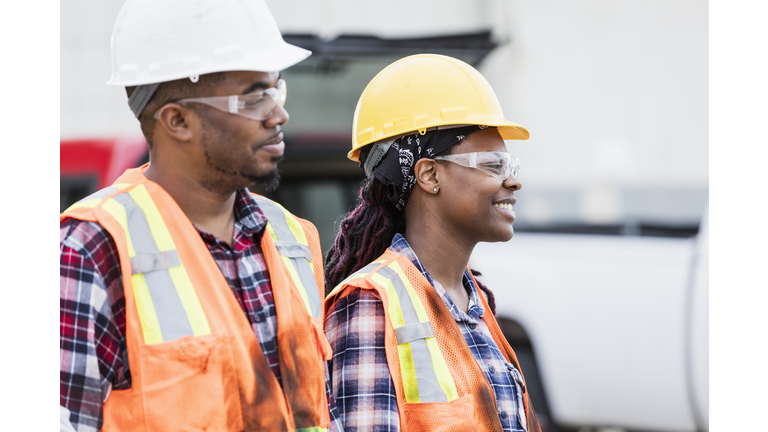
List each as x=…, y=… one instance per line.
x=152, y=261
x=294, y=250
x=369, y=268
x=412, y=332
x=426, y=377
x=99, y=193
x=288, y=246
x=171, y=315
x=140, y=96
x=276, y=216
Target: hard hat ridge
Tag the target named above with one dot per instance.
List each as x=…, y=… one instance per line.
x=156, y=41
x=425, y=92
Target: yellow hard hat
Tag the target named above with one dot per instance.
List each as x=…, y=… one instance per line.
x=425, y=91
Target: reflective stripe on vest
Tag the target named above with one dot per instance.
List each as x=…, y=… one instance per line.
x=166, y=301
x=293, y=247
x=95, y=198
x=424, y=372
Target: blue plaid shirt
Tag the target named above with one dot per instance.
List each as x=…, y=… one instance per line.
x=361, y=382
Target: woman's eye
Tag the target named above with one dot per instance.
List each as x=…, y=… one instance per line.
x=494, y=166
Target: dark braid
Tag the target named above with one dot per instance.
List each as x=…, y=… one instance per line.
x=364, y=234
x=488, y=294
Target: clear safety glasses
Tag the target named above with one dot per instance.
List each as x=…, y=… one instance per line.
x=257, y=105
x=496, y=164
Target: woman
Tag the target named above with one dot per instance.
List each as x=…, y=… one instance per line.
x=416, y=347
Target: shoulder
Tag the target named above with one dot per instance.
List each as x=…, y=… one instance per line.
x=272, y=209
x=360, y=309
x=84, y=237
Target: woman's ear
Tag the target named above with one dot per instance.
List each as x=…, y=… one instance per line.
x=174, y=121
x=427, y=176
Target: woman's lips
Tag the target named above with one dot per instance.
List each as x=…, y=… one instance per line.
x=506, y=208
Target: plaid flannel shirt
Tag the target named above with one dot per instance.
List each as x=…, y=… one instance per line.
x=362, y=385
x=94, y=357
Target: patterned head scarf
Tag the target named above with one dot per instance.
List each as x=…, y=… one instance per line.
x=392, y=162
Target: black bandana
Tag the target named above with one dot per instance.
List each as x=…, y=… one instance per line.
x=395, y=167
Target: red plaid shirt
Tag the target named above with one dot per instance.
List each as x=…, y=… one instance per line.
x=94, y=357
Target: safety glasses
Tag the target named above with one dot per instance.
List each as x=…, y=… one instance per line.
x=256, y=106
x=496, y=164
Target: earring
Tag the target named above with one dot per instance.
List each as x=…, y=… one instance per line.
x=434, y=189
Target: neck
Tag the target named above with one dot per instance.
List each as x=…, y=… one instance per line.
x=445, y=256
x=207, y=210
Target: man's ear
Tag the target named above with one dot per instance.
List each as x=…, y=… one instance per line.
x=427, y=176
x=175, y=121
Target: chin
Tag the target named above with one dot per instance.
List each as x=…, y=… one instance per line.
x=501, y=237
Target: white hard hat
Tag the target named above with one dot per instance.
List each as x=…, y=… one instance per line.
x=154, y=41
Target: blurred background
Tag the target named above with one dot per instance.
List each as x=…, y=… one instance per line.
x=603, y=291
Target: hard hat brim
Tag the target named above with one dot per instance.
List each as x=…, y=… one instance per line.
x=277, y=60
x=507, y=129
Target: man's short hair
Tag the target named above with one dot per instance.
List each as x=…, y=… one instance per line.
x=170, y=91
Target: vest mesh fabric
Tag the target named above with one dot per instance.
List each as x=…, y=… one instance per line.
x=220, y=381
x=298, y=371
x=467, y=375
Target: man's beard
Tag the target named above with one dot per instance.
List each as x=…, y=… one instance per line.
x=270, y=181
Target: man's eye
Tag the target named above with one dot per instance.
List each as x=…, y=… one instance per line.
x=254, y=103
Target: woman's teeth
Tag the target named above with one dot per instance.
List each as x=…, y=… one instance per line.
x=504, y=206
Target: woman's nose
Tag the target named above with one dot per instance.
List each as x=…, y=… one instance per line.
x=512, y=183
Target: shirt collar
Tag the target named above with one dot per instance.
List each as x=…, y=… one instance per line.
x=400, y=246
x=247, y=213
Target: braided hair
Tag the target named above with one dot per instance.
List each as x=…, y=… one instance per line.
x=364, y=233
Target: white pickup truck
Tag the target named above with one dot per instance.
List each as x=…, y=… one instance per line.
x=611, y=331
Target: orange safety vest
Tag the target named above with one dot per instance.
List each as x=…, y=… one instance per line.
x=438, y=383
x=195, y=361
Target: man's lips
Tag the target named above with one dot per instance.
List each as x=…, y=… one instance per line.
x=275, y=146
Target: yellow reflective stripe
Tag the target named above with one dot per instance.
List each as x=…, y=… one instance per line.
x=91, y=203
x=291, y=269
x=118, y=212
x=395, y=313
x=417, y=305
x=150, y=325
x=287, y=260
x=271, y=232
x=408, y=372
x=179, y=276
x=297, y=281
x=156, y=225
x=407, y=366
x=444, y=377
x=312, y=429
x=189, y=300
x=358, y=275
x=295, y=226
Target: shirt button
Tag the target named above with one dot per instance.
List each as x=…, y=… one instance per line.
x=472, y=326
x=257, y=318
x=503, y=414
x=492, y=369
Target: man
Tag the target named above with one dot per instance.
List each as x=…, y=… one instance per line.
x=151, y=335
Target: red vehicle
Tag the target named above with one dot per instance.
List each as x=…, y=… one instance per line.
x=90, y=164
